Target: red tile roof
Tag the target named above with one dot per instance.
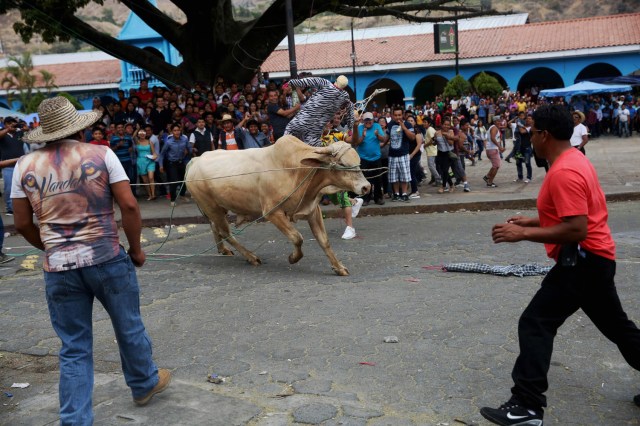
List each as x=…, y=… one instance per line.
x=604, y=31
x=80, y=73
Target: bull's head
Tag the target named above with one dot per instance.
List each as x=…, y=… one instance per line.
x=343, y=163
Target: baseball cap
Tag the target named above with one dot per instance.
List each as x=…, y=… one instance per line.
x=367, y=116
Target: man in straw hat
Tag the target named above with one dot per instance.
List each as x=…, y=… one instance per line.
x=580, y=136
x=70, y=186
x=331, y=98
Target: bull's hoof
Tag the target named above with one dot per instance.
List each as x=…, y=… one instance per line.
x=341, y=271
x=226, y=252
x=294, y=259
x=255, y=261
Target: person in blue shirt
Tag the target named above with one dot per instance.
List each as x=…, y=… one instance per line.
x=400, y=136
x=371, y=138
x=176, y=151
x=122, y=145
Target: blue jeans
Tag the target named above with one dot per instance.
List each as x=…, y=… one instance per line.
x=70, y=296
x=526, y=153
x=1, y=233
x=623, y=128
x=7, y=176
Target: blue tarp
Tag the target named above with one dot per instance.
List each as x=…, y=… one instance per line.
x=585, y=88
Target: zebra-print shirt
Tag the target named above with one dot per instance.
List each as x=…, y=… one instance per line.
x=319, y=109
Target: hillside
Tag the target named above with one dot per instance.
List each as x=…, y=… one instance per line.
x=112, y=16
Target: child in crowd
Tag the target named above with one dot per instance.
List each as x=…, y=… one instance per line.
x=98, y=137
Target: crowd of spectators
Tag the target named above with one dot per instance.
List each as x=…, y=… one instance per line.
x=155, y=131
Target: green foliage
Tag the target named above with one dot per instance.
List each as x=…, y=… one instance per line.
x=107, y=15
x=487, y=85
x=457, y=86
x=71, y=99
x=32, y=103
x=19, y=81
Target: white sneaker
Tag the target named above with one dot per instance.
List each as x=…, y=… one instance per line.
x=414, y=195
x=349, y=233
x=355, y=209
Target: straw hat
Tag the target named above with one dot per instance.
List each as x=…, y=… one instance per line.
x=580, y=114
x=226, y=117
x=59, y=119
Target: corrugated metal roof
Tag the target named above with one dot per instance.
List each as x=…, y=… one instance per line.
x=406, y=30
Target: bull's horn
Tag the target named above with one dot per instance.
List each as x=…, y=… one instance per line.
x=325, y=150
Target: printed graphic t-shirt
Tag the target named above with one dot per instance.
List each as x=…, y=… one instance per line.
x=68, y=186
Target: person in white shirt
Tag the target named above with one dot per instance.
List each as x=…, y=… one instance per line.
x=623, y=121
x=580, y=135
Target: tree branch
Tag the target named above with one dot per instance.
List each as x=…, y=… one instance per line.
x=403, y=14
x=157, y=66
x=192, y=8
x=157, y=20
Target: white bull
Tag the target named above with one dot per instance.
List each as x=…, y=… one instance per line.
x=283, y=182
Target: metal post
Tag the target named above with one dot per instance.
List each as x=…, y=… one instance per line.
x=293, y=66
x=353, y=60
x=457, y=53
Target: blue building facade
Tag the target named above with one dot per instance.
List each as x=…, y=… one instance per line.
x=136, y=32
x=417, y=86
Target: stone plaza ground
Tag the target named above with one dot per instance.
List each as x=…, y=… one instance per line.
x=297, y=344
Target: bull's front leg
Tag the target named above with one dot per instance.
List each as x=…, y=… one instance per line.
x=282, y=222
x=317, y=227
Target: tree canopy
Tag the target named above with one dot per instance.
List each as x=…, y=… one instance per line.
x=456, y=87
x=212, y=41
x=487, y=85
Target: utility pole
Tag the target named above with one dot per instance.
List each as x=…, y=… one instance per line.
x=457, y=53
x=293, y=65
x=353, y=61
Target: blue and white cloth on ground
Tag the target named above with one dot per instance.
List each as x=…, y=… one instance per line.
x=523, y=270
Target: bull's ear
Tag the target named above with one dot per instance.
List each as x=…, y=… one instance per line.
x=312, y=162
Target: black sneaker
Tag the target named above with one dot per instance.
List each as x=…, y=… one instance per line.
x=405, y=198
x=636, y=399
x=492, y=185
x=5, y=259
x=396, y=197
x=510, y=414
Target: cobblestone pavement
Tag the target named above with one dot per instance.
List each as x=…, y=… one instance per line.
x=291, y=340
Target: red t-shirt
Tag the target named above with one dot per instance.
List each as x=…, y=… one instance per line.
x=571, y=188
x=102, y=142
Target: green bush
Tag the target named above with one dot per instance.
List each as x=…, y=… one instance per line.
x=457, y=86
x=487, y=85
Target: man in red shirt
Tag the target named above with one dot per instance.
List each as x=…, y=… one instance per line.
x=572, y=224
x=144, y=94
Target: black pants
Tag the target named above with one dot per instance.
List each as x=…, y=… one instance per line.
x=130, y=170
x=376, y=182
x=443, y=163
x=386, y=187
x=175, y=172
x=414, y=167
x=588, y=286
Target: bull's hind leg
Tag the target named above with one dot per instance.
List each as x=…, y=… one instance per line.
x=282, y=222
x=219, y=243
x=317, y=227
x=222, y=233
